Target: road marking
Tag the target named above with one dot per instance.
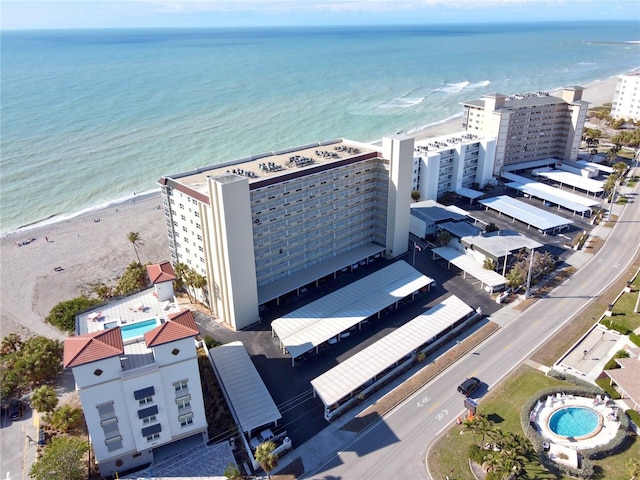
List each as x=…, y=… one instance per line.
x=536, y=323
x=424, y=401
x=616, y=265
x=442, y=415
x=507, y=347
x=433, y=407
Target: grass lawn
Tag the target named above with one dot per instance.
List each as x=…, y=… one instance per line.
x=623, y=308
x=448, y=456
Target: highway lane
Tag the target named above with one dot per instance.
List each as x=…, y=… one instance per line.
x=396, y=446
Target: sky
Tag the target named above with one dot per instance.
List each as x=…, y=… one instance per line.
x=48, y=14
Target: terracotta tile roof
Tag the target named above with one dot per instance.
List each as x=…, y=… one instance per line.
x=161, y=272
x=92, y=347
x=180, y=325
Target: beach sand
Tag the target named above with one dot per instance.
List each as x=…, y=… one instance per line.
x=92, y=252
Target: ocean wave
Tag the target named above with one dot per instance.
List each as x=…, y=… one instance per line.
x=402, y=102
x=464, y=86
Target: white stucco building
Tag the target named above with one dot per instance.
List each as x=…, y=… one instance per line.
x=529, y=127
x=263, y=226
x=140, y=388
x=626, y=99
x=451, y=162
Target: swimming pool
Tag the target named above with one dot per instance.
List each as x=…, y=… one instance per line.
x=137, y=329
x=575, y=422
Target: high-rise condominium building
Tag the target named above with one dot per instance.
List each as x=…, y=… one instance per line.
x=529, y=127
x=626, y=99
x=451, y=162
x=261, y=227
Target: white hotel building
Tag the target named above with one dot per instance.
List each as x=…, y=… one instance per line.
x=626, y=99
x=261, y=227
x=138, y=394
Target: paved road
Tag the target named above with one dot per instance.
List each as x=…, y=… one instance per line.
x=396, y=447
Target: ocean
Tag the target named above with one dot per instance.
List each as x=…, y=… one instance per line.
x=90, y=117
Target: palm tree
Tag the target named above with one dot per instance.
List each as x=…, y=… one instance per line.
x=265, y=456
x=479, y=427
x=415, y=195
x=136, y=241
x=514, y=278
x=488, y=264
x=232, y=472
x=44, y=399
x=444, y=238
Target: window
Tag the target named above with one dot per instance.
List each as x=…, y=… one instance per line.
x=113, y=443
x=183, y=402
x=181, y=385
x=186, y=420
x=106, y=411
x=151, y=438
x=149, y=419
x=145, y=400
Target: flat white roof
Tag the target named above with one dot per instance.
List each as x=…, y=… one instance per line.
x=469, y=265
x=247, y=393
x=317, y=322
x=354, y=372
x=544, y=191
x=314, y=272
x=500, y=242
x=599, y=166
x=524, y=212
x=469, y=193
x=567, y=178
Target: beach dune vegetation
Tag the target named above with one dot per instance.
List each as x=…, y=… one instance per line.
x=63, y=315
x=133, y=279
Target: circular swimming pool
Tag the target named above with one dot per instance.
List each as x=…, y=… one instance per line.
x=575, y=422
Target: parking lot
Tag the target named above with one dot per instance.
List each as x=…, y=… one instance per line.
x=290, y=386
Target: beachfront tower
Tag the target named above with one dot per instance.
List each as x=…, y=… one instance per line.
x=626, y=99
x=262, y=227
x=138, y=393
x=531, y=128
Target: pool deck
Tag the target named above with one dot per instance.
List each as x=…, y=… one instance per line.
x=608, y=428
x=126, y=311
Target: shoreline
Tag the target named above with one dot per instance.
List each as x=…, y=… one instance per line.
x=593, y=93
x=92, y=248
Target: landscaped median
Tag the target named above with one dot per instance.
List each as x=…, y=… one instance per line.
x=503, y=406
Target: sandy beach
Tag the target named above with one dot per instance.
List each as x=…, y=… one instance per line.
x=93, y=248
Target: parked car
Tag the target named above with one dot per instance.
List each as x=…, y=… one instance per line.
x=469, y=386
x=262, y=437
x=16, y=408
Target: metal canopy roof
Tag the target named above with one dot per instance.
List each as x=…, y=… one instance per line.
x=469, y=193
x=569, y=200
x=587, y=184
x=470, y=266
x=354, y=372
x=317, y=322
x=248, y=395
x=526, y=213
x=314, y=272
x=498, y=244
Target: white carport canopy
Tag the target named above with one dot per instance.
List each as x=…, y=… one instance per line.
x=567, y=178
x=248, y=395
x=354, y=372
x=528, y=214
x=317, y=322
x=470, y=266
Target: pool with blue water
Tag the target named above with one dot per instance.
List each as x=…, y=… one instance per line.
x=575, y=422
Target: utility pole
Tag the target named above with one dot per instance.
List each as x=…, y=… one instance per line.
x=526, y=293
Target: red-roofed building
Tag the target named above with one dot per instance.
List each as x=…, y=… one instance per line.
x=162, y=275
x=139, y=390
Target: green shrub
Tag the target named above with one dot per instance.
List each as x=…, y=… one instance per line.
x=476, y=454
x=605, y=384
x=63, y=315
x=634, y=416
x=210, y=342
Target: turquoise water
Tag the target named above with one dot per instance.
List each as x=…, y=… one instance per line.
x=137, y=329
x=574, y=421
x=90, y=116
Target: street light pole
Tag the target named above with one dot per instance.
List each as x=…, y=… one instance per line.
x=526, y=293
